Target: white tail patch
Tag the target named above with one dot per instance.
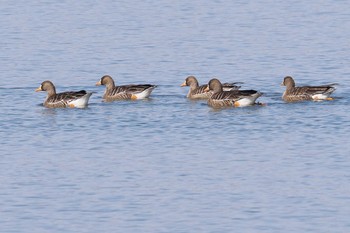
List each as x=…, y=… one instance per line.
x=144, y=94
x=81, y=102
x=250, y=100
x=321, y=96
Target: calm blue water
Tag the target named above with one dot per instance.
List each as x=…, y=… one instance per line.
x=169, y=164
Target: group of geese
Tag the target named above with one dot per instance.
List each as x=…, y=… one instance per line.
x=217, y=94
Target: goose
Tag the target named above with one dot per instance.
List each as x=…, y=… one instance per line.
x=293, y=93
x=77, y=99
x=124, y=92
x=235, y=98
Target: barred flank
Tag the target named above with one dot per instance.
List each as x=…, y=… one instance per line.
x=220, y=103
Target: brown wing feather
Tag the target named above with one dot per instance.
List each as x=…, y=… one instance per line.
x=125, y=91
x=311, y=90
x=62, y=99
x=231, y=86
x=137, y=88
x=199, y=93
x=118, y=93
x=200, y=90
x=234, y=95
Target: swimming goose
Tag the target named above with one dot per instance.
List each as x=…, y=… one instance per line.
x=235, y=98
x=77, y=99
x=198, y=92
x=293, y=93
x=124, y=92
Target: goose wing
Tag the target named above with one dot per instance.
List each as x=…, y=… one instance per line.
x=63, y=99
x=231, y=86
x=235, y=95
x=200, y=90
x=323, y=89
x=136, y=88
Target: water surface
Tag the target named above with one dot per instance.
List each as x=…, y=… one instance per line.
x=168, y=164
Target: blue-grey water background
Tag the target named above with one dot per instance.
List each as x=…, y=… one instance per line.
x=168, y=164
